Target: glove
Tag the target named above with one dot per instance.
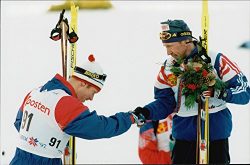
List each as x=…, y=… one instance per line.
x=144, y=111
x=140, y=115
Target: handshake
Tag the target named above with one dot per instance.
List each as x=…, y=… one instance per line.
x=140, y=115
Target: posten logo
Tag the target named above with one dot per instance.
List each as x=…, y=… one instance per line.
x=37, y=105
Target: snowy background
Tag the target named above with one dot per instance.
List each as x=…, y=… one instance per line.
x=125, y=40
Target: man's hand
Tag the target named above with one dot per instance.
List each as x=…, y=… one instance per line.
x=219, y=94
x=140, y=115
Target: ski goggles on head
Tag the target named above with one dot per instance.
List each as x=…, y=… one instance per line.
x=164, y=36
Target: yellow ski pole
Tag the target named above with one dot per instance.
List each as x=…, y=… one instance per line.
x=204, y=143
x=73, y=26
x=69, y=156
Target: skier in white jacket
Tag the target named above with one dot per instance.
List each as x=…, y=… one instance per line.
x=51, y=113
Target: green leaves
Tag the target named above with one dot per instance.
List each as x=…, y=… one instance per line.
x=196, y=76
x=176, y=71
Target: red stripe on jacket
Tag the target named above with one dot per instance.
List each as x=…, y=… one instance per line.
x=226, y=66
x=231, y=64
x=67, y=109
x=24, y=101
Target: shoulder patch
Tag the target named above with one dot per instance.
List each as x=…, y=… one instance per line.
x=171, y=79
x=168, y=78
x=67, y=109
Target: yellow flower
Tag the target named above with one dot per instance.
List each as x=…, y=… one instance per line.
x=211, y=83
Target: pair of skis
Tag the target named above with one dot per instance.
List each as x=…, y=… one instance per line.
x=202, y=146
x=61, y=32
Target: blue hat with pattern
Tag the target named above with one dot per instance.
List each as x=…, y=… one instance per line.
x=174, y=31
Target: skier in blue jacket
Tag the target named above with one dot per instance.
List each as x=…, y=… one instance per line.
x=180, y=44
x=51, y=113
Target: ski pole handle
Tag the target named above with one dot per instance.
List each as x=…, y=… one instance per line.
x=60, y=17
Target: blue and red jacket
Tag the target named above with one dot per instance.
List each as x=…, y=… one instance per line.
x=220, y=124
x=74, y=119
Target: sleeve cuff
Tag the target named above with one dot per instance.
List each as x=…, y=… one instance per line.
x=227, y=95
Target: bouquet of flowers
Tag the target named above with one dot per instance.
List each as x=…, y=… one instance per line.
x=196, y=76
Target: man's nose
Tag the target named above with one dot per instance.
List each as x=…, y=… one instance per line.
x=91, y=97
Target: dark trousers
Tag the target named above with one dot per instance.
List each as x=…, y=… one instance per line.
x=184, y=152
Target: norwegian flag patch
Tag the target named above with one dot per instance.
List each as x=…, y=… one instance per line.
x=165, y=27
x=33, y=141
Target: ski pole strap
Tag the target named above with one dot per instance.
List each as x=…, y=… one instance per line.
x=60, y=18
x=72, y=37
x=201, y=53
x=56, y=33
